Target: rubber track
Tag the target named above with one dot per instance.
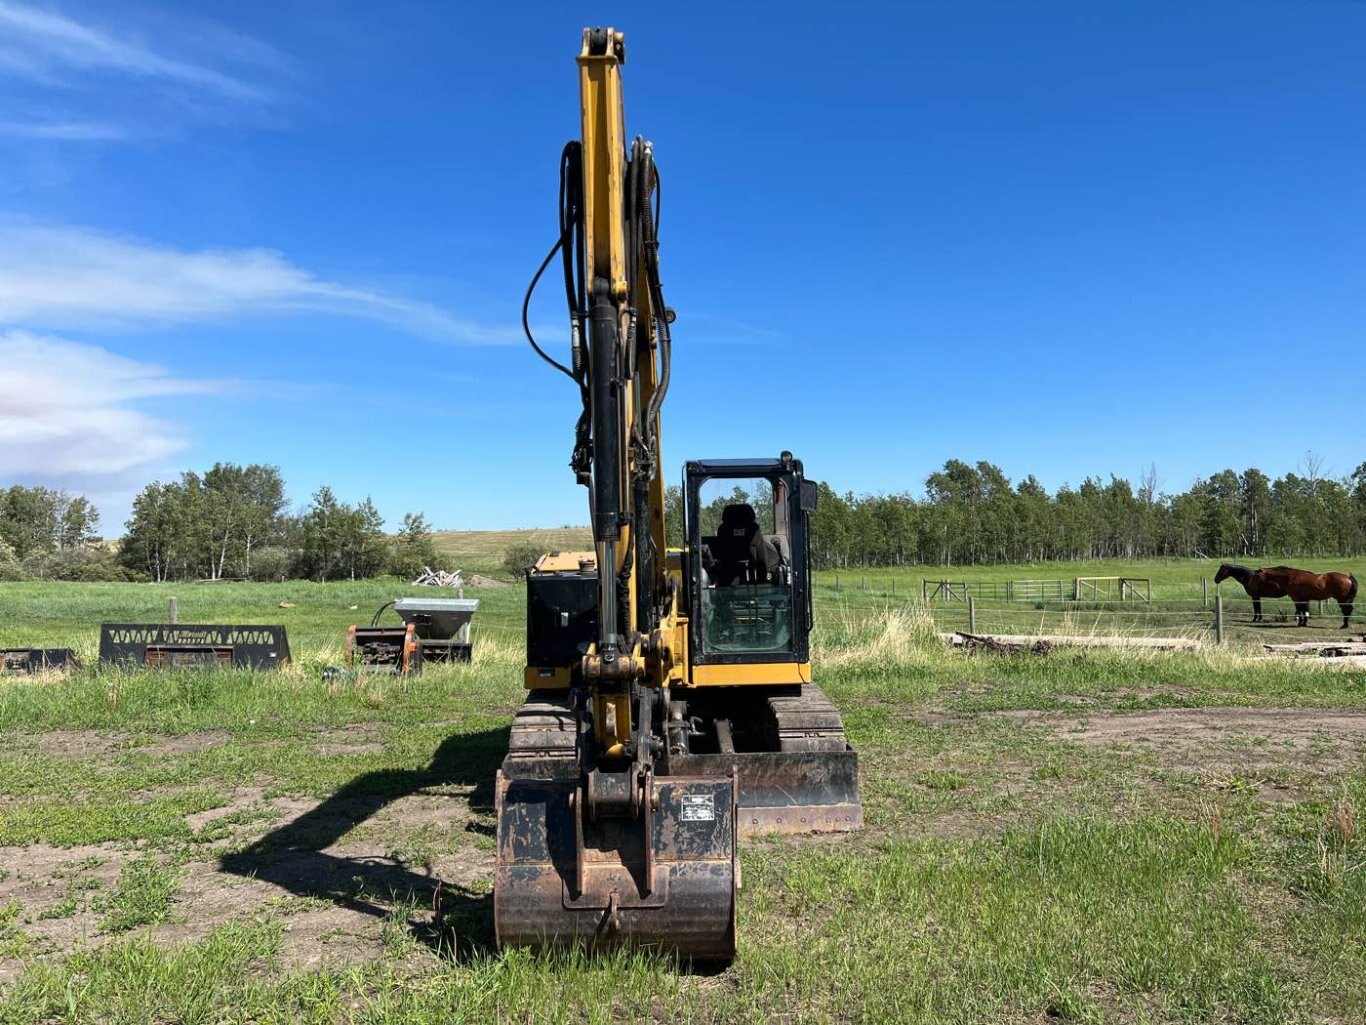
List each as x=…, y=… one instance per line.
x=544, y=727
x=808, y=722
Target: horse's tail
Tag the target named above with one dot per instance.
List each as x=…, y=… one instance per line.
x=1352, y=591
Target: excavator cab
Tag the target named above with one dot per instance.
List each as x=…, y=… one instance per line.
x=750, y=589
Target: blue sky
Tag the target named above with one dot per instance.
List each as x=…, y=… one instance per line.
x=1069, y=238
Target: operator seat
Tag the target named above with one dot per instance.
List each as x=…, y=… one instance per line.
x=743, y=554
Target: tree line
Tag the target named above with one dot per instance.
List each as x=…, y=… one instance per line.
x=974, y=515
x=232, y=521
x=228, y=522
x=47, y=533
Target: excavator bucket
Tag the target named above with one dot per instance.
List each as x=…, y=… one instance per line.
x=665, y=880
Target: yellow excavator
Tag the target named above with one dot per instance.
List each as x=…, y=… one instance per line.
x=670, y=707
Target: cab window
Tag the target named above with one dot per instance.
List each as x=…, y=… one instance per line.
x=746, y=573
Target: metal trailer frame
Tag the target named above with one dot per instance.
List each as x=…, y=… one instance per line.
x=31, y=661
x=434, y=630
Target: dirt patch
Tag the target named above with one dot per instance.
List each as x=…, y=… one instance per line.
x=479, y=580
x=68, y=743
x=356, y=739
x=331, y=871
x=935, y=717
x=960, y=824
x=1124, y=697
x=90, y=744
x=329, y=938
x=1208, y=737
x=56, y=888
x=185, y=744
x=37, y=871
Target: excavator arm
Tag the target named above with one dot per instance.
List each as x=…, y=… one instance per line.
x=621, y=349
x=668, y=709
x=592, y=846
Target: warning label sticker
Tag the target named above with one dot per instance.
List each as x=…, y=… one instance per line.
x=699, y=808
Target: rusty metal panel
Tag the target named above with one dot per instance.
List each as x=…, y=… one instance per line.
x=383, y=649
x=173, y=656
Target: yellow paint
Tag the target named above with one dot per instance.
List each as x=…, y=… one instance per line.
x=548, y=677
x=564, y=562
x=772, y=673
x=612, y=721
x=604, y=165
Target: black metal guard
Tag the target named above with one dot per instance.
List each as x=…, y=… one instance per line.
x=184, y=645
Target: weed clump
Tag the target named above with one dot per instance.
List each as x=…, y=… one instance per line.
x=143, y=896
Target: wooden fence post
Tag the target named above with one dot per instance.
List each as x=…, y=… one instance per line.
x=173, y=612
x=972, y=614
x=1204, y=592
x=1219, y=619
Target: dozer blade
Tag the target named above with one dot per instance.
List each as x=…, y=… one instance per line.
x=788, y=791
x=809, y=784
x=665, y=881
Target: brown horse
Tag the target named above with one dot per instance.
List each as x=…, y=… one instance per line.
x=1299, y=585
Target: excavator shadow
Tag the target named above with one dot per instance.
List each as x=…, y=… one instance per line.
x=296, y=855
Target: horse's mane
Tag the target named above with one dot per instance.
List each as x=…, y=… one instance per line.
x=1239, y=573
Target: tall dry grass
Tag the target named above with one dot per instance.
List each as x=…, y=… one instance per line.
x=890, y=637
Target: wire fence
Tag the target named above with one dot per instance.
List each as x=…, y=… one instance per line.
x=1189, y=617
x=1215, y=619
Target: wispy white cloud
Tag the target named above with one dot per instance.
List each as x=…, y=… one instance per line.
x=46, y=46
x=68, y=410
x=88, y=131
x=66, y=277
x=711, y=329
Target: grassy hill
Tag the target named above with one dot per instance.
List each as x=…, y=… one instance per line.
x=481, y=551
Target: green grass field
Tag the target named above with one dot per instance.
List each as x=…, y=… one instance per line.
x=1179, y=606
x=1090, y=836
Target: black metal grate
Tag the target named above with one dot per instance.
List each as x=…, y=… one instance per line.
x=165, y=645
